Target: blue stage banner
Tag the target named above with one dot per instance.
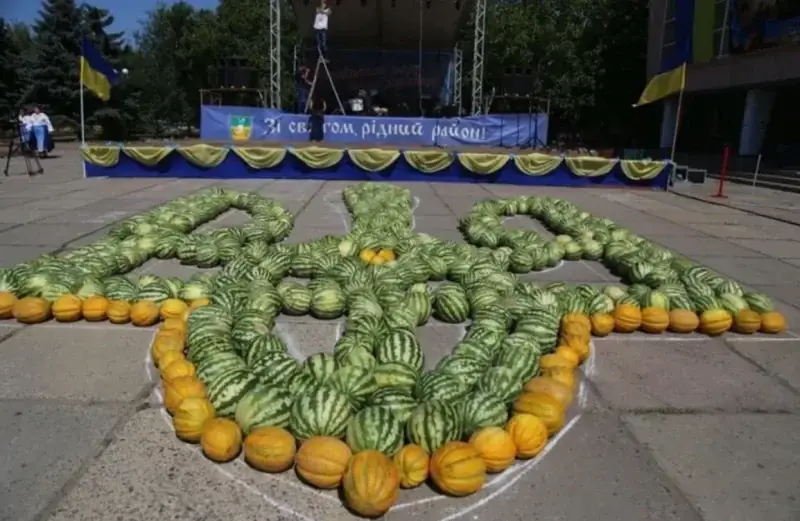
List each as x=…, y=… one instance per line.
x=240, y=124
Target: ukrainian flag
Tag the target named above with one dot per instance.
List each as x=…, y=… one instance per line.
x=663, y=85
x=97, y=74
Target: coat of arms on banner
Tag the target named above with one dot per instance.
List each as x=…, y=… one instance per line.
x=241, y=127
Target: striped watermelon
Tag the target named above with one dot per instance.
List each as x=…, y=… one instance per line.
x=375, y=428
x=259, y=347
x=264, y=406
x=356, y=382
x=450, y=303
x=502, y=382
x=399, y=400
x=759, y=302
x=439, y=385
x=320, y=411
x=400, y=317
x=320, y=366
x=217, y=363
x=295, y=298
x=328, y=301
x=419, y=301
x=434, y=423
x=275, y=368
x=228, y=388
x=300, y=383
x=487, y=338
x=483, y=409
x=395, y=374
x=468, y=369
x=400, y=346
x=473, y=349
x=520, y=353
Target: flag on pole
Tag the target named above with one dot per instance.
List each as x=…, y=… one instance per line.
x=663, y=85
x=97, y=74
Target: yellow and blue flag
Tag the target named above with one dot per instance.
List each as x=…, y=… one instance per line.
x=97, y=74
x=663, y=85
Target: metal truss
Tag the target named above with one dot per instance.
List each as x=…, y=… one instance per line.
x=457, y=74
x=477, y=57
x=275, y=54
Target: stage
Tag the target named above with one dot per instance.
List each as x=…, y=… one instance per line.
x=359, y=162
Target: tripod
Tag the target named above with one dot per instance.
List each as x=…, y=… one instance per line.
x=24, y=149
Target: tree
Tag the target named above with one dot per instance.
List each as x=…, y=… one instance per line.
x=119, y=114
x=54, y=71
x=12, y=85
x=177, y=46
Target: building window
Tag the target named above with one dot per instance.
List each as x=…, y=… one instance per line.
x=669, y=32
x=722, y=24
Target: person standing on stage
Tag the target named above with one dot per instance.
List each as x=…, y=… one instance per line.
x=321, y=29
x=42, y=131
x=301, y=88
x=316, y=122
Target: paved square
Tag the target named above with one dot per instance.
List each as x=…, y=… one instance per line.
x=638, y=445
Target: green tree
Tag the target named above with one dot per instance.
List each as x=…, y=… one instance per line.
x=54, y=70
x=12, y=84
x=177, y=46
x=116, y=117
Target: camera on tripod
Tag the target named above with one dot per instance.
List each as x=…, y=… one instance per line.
x=19, y=143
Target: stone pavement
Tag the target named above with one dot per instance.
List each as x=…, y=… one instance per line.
x=666, y=428
x=777, y=204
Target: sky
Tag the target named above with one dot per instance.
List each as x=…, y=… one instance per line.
x=127, y=13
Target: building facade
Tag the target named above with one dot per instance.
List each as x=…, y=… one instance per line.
x=743, y=72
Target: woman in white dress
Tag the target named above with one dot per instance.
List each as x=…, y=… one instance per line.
x=42, y=129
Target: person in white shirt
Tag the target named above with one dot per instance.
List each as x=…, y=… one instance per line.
x=42, y=129
x=25, y=127
x=321, y=29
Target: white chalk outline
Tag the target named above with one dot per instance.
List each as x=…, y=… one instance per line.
x=503, y=480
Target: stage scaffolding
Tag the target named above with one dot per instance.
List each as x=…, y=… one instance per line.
x=477, y=102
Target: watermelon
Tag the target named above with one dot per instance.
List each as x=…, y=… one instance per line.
x=468, y=369
x=439, y=385
x=228, y=388
x=264, y=406
x=398, y=400
x=434, y=423
x=502, y=382
x=400, y=346
x=319, y=366
x=483, y=409
x=395, y=374
x=450, y=303
x=320, y=411
x=375, y=428
x=356, y=382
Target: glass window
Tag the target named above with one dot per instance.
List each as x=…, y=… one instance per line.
x=668, y=53
x=670, y=9
x=669, y=32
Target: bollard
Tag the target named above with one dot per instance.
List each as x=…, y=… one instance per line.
x=723, y=171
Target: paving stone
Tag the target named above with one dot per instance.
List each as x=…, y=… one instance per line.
x=75, y=362
x=44, y=445
x=438, y=339
x=45, y=234
x=684, y=375
x=13, y=255
x=172, y=268
x=308, y=234
x=751, y=271
x=780, y=358
x=778, y=249
x=570, y=271
x=699, y=246
x=434, y=224
x=304, y=339
x=732, y=467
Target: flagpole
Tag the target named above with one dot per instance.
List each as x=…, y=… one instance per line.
x=677, y=124
x=83, y=128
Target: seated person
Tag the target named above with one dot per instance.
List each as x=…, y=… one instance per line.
x=42, y=131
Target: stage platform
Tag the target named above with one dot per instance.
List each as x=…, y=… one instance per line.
x=359, y=162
